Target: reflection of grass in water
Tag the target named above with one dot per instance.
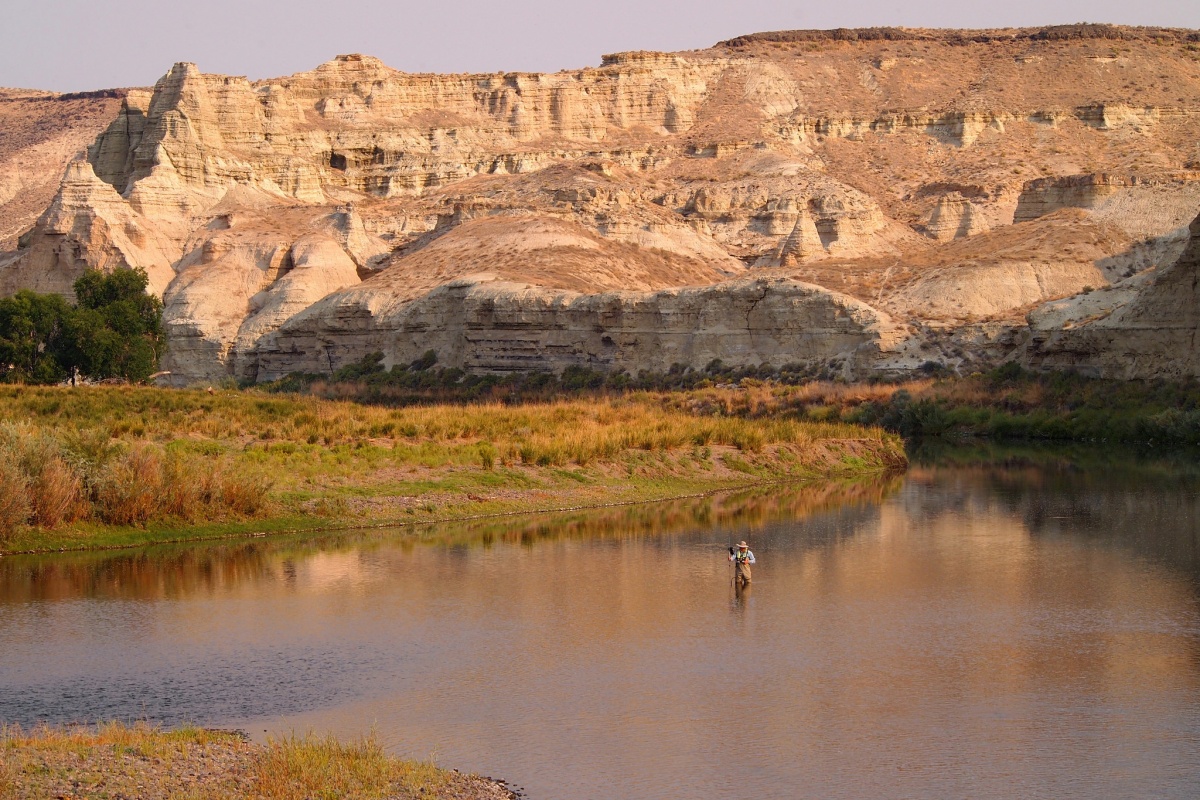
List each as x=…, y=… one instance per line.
x=1172, y=462
x=753, y=507
x=182, y=569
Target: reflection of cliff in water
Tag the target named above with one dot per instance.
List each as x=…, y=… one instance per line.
x=171, y=571
x=1144, y=501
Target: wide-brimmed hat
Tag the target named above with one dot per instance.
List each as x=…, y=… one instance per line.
x=742, y=544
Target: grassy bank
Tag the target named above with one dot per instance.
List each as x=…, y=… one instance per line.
x=1011, y=403
x=102, y=467
x=1007, y=404
x=116, y=760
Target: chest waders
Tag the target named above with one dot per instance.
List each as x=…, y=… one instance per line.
x=741, y=562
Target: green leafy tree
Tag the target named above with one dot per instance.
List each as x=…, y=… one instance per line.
x=33, y=339
x=117, y=330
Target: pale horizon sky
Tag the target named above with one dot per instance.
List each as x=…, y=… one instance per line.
x=78, y=45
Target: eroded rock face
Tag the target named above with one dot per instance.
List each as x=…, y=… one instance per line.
x=954, y=217
x=250, y=272
x=625, y=216
x=43, y=132
x=1144, y=328
x=482, y=324
x=1047, y=195
x=89, y=225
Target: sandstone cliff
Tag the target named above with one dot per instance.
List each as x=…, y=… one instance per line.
x=1145, y=327
x=484, y=324
x=874, y=199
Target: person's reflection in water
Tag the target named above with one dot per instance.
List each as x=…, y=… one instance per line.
x=741, y=596
x=289, y=573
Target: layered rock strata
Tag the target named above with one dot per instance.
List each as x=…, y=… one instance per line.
x=42, y=132
x=486, y=325
x=1144, y=328
x=954, y=217
x=897, y=195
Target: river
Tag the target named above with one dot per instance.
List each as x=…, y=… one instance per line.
x=986, y=626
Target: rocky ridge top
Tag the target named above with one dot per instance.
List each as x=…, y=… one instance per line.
x=924, y=188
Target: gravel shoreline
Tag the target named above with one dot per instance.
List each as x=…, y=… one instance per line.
x=116, y=762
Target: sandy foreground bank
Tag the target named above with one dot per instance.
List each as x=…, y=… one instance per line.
x=118, y=762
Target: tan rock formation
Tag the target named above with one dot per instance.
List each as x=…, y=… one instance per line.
x=954, y=217
x=1145, y=205
x=998, y=275
x=304, y=221
x=1145, y=328
x=1045, y=195
x=483, y=324
x=42, y=132
x=244, y=275
x=88, y=225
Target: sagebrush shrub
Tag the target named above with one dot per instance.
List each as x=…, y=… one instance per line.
x=243, y=495
x=184, y=487
x=55, y=494
x=128, y=491
x=14, y=498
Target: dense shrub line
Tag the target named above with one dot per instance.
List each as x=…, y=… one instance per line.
x=423, y=381
x=249, y=423
x=1006, y=403
x=1014, y=403
x=53, y=480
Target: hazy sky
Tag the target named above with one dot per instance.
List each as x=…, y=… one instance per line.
x=71, y=45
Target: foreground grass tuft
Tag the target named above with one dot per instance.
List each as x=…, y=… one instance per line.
x=298, y=768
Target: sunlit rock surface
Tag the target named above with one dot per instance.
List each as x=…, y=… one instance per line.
x=899, y=196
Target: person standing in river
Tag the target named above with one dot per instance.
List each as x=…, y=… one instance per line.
x=742, y=558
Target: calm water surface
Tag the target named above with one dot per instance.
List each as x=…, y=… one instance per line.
x=970, y=631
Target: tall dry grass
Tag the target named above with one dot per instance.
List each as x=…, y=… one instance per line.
x=15, y=507
x=127, y=491
x=303, y=767
x=136, y=455
x=56, y=494
x=50, y=479
x=596, y=425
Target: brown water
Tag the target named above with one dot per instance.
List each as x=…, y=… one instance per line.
x=983, y=632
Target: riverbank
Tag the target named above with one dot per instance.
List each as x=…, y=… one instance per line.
x=91, y=468
x=116, y=760
x=1011, y=403
x=1008, y=403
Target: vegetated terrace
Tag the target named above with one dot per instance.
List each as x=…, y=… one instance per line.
x=104, y=466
